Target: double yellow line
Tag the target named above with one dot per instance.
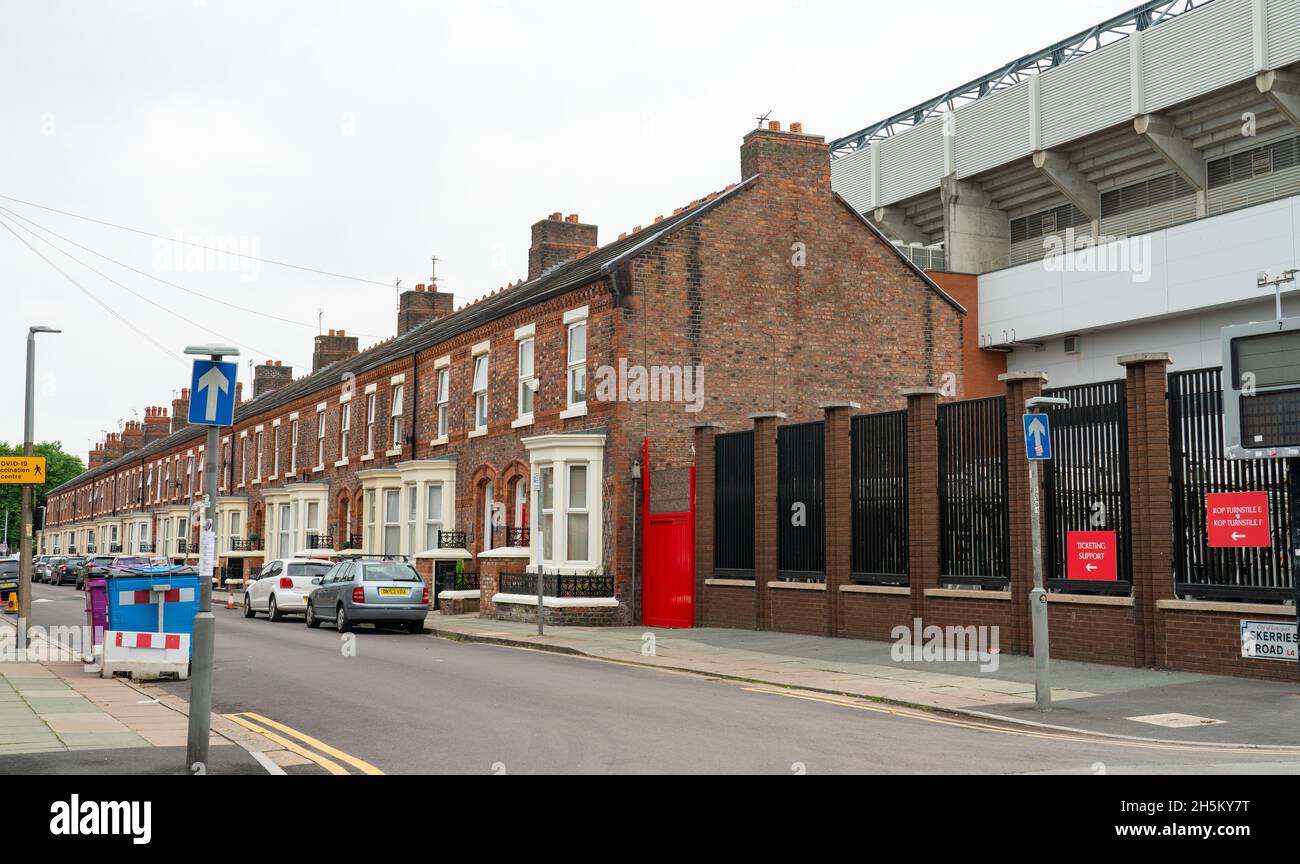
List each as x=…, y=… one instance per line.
x=264, y=726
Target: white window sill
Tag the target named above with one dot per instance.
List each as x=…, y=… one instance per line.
x=342, y=463
x=369, y=457
x=523, y=422
x=575, y=411
x=557, y=602
x=477, y=433
x=318, y=469
x=257, y=483
x=272, y=478
x=439, y=442
x=396, y=451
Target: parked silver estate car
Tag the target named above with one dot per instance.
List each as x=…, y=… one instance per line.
x=370, y=592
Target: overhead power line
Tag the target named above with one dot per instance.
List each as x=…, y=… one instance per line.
x=198, y=245
x=84, y=290
x=135, y=293
x=162, y=281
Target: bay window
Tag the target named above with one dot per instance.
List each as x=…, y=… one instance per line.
x=392, y=521
x=432, y=514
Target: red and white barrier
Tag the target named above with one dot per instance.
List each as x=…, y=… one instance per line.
x=146, y=655
x=146, y=598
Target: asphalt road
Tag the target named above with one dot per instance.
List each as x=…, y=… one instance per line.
x=416, y=704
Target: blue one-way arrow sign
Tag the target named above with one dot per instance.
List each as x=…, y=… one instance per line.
x=212, y=393
x=1038, y=437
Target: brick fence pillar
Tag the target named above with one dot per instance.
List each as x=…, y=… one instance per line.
x=705, y=486
x=1020, y=386
x=922, y=493
x=1151, y=516
x=838, y=507
x=765, y=551
x=489, y=578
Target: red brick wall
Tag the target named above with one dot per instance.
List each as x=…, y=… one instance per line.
x=1091, y=633
x=982, y=367
x=874, y=616
x=1210, y=642
x=728, y=606
x=977, y=612
x=796, y=611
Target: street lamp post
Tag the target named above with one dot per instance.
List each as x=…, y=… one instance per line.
x=25, y=538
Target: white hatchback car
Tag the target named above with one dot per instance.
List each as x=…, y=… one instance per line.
x=282, y=587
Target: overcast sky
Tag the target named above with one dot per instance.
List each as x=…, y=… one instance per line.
x=361, y=138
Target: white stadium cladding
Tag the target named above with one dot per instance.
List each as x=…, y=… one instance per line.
x=1168, y=136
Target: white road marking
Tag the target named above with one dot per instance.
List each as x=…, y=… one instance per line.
x=265, y=762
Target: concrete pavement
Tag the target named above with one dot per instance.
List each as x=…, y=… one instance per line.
x=1087, y=697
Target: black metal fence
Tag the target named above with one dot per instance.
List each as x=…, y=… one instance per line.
x=733, y=504
x=453, y=581
x=879, y=443
x=800, y=505
x=558, y=585
x=1199, y=469
x=1086, y=483
x=974, y=519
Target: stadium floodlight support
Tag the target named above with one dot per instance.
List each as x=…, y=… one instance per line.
x=1108, y=32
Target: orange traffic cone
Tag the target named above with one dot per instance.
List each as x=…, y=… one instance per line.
x=11, y=605
x=230, y=604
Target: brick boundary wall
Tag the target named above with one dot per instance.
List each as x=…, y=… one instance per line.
x=1149, y=629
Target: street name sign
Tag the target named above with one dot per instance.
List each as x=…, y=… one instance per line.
x=1091, y=556
x=22, y=470
x=212, y=393
x=1038, y=437
x=1238, y=520
x=1268, y=640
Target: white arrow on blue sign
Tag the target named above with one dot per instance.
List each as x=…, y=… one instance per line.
x=212, y=393
x=1038, y=437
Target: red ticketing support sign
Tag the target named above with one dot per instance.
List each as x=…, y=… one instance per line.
x=1238, y=520
x=1091, y=556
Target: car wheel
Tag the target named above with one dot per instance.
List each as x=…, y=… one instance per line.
x=248, y=608
x=341, y=622
x=273, y=611
x=312, y=622
x=415, y=628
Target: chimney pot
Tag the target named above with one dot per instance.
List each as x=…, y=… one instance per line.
x=557, y=217
x=774, y=125
x=796, y=128
x=573, y=218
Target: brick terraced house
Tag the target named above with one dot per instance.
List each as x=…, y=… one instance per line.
x=553, y=415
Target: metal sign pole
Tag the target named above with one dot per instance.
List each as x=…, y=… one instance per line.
x=1038, y=600
x=1293, y=496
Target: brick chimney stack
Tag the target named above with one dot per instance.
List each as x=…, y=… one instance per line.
x=157, y=424
x=794, y=161
x=132, y=436
x=333, y=348
x=422, y=305
x=112, y=446
x=181, y=411
x=98, y=457
x=271, y=376
x=557, y=239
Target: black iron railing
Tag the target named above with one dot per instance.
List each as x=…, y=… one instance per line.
x=457, y=582
x=115, y=549
x=558, y=585
x=145, y=547
x=72, y=550
x=733, y=504
x=879, y=481
x=353, y=541
x=1199, y=469
x=974, y=517
x=514, y=538
x=320, y=541
x=184, y=547
x=91, y=550
x=800, y=502
x=1086, y=484
x=452, y=540
x=239, y=544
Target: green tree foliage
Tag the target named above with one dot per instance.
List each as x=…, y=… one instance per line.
x=60, y=467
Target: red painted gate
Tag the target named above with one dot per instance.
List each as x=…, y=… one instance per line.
x=667, y=559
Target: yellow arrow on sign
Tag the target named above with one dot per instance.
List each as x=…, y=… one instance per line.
x=22, y=470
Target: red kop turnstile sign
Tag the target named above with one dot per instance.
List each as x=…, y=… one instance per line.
x=1091, y=556
x=1238, y=520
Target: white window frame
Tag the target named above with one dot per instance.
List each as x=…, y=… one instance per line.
x=320, y=438
x=573, y=320
x=372, y=402
x=444, y=403
x=275, y=451
x=261, y=445
x=293, y=446
x=397, y=408
x=345, y=429
x=432, y=520
x=392, y=520
x=526, y=389
x=481, y=415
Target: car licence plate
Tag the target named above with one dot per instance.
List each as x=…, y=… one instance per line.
x=5, y=586
x=393, y=592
